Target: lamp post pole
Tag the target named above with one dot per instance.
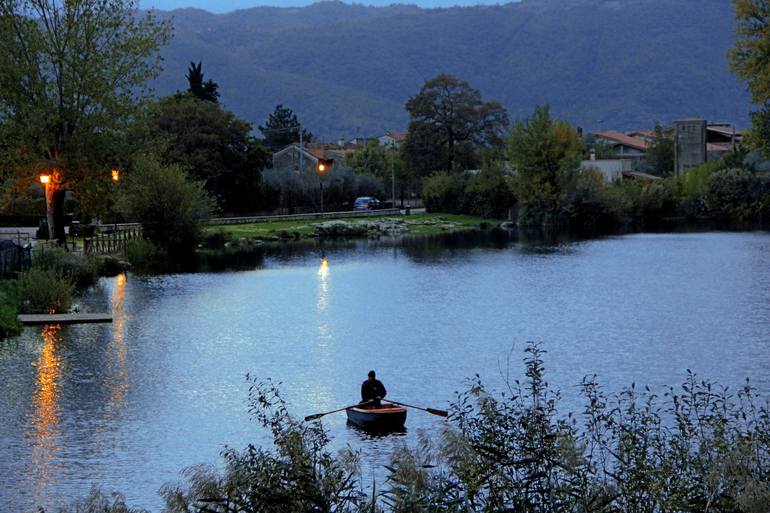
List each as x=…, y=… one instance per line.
x=46, y=181
x=115, y=180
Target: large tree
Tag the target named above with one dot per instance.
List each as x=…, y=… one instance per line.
x=213, y=145
x=448, y=124
x=282, y=128
x=545, y=154
x=71, y=73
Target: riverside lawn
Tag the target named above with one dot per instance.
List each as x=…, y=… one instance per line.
x=423, y=224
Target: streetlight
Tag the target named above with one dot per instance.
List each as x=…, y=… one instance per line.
x=46, y=180
x=322, y=168
x=115, y=179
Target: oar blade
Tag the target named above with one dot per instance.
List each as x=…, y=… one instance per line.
x=440, y=413
x=314, y=416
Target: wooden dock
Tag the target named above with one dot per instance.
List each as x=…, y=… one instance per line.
x=70, y=318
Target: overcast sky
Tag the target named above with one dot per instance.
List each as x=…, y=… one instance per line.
x=231, y=5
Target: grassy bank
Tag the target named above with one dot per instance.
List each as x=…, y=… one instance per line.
x=423, y=224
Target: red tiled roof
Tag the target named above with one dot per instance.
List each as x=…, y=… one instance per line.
x=397, y=136
x=625, y=140
x=642, y=133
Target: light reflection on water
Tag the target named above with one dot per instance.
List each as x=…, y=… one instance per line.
x=129, y=405
x=45, y=413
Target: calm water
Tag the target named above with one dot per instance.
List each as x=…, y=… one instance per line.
x=129, y=405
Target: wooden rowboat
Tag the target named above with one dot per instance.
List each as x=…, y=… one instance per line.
x=387, y=417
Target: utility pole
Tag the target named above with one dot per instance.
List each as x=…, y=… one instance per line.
x=392, y=175
x=301, y=152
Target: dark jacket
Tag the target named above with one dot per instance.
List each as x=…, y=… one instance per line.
x=371, y=389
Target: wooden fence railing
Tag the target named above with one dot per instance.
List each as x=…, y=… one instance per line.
x=112, y=241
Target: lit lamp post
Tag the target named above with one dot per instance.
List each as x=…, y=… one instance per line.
x=322, y=169
x=115, y=179
x=46, y=180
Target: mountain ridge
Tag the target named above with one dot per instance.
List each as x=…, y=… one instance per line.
x=348, y=69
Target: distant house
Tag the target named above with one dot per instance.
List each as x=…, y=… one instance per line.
x=611, y=168
x=623, y=145
x=721, y=138
x=392, y=139
x=310, y=155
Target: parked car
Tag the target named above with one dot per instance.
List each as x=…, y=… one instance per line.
x=366, y=203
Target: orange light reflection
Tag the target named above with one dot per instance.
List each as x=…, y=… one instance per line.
x=118, y=343
x=45, y=403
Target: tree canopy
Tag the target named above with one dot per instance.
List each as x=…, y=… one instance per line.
x=545, y=154
x=208, y=90
x=213, y=145
x=448, y=123
x=750, y=56
x=71, y=75
x=283, y=128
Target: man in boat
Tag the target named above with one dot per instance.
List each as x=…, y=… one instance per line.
x=372, y=389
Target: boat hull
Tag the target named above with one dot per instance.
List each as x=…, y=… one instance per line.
x=386, y=418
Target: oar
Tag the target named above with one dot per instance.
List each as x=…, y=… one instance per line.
x=319, y=415
x=434, y=411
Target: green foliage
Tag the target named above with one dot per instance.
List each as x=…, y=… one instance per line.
x=98, y=502
x=448, y=124
x=212, y=145
x=759, y=135
x=171, y=207
x=82, y=270
x=71, y=76
x=298, y=474
x=444, y=192
x=489, y=194
x=45, y=291
x=372, y=159
x=144, y=256
x=660, y=153
x=545, y=154
x=282, y=128
x=696, y=179
x=738, y=196
x=688, y=449
x=750, y=56
x=10, y=302
x=206, y=91
x=592, y=203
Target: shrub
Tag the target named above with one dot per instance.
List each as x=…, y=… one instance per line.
x=489, y=194
x=9, y=309
x=298, y=475
x=695, y=180
x=45, y=291
x=171, y=208
x=738, y=196
x=444, y=192
x=144, y=256
x=82, y=270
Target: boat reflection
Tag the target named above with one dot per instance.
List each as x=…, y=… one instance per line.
x=374, y=434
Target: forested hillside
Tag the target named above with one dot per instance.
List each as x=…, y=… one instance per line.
x=347, y=68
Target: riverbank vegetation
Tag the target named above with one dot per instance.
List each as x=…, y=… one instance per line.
x=692, y=448
x=50, y=285
x=424, y=224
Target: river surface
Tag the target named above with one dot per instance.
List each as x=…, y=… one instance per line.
x=128, y=405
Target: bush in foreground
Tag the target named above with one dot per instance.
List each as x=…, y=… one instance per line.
x=694, y=448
